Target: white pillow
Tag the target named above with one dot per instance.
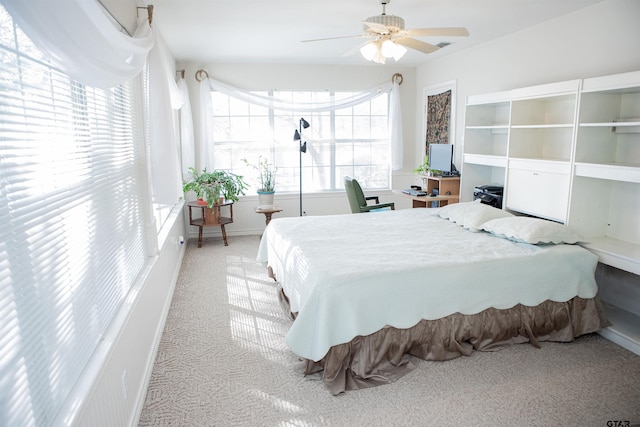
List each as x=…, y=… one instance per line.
x=479, y=215
x=472, y=215
x=456, y=211
x=531, y=230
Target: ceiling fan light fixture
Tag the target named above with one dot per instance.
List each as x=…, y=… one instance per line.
x=369, y=50
x=388, y=48
x=379, y=57
x=399, y=52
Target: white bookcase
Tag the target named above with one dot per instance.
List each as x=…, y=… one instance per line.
x=486, y=140
x=540, y=149
x=605, y=204
x=569, y=152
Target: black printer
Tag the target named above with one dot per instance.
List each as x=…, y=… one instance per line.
x=489, y=195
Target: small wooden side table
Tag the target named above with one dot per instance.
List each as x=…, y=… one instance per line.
x=268, y=212
x=211, y=217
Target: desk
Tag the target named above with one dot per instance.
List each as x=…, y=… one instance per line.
x=448, y=188
x=268, y=212
x=426, y=201
x=210, y=217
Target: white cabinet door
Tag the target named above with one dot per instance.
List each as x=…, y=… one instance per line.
x=543, y=194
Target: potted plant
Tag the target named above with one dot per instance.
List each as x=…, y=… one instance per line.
x=212, y=187
x=267, y=175
x=424, y=169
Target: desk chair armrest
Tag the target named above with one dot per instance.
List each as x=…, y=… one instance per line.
x=379, y=206
x=376, y=198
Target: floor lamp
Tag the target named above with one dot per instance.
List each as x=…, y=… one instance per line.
x=297, y=136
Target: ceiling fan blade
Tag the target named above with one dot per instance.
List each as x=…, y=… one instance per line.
x=416, y=44
x=426, y=32
x=377, y=28
x=334, y=38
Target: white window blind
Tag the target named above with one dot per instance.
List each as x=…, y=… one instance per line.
x=71, y=228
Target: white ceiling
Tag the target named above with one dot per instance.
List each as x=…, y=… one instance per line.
x=271, y=31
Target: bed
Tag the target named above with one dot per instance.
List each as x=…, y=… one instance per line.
x=369, y=291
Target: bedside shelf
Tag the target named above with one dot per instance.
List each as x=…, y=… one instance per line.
x=616, y=253
x=624, y=329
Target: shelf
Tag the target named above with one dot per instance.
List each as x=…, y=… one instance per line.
x=625, y=172
x=621, y=123
x=621, y=126
x=616, y=253
x=486, y=159
x=624, y=329
x=492, y=128
x=220, y=221
x=543, y=126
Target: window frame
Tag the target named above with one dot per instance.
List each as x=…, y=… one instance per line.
x=281, y=149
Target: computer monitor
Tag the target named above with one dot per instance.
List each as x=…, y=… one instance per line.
x=441, y=157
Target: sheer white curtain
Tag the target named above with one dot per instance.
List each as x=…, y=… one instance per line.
x=164, y=152
x=206, y=112
x=82, y=41
x=186, y=131
x=395, y=128
x=205, y=126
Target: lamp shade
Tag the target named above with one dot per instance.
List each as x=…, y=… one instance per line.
x=388, y=48
x=392, y=50
x=296, y=135
x=369, y=50
x=399, y=52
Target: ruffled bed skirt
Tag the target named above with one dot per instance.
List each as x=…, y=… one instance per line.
x=382, y=357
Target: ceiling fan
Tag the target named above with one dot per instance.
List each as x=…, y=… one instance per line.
x=389, y=38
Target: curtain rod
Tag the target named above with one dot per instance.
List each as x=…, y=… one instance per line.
x=149, y=11
x=114, y=18
x=200, y=73
x=397, y=77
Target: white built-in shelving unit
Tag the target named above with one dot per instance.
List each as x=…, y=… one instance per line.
x=568, y=152
x=486, y=140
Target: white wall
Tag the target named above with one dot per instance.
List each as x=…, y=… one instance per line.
x=597, y=40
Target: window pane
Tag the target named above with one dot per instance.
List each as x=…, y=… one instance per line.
x=337, y=141
x=220, y=104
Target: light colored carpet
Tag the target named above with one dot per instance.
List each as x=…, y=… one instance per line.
x=223, y=361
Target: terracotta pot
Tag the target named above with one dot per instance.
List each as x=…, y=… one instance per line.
x=211, y=215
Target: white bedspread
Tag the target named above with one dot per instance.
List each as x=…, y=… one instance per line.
x=350, y=275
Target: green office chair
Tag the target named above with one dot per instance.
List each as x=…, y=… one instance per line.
x=358, y=201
